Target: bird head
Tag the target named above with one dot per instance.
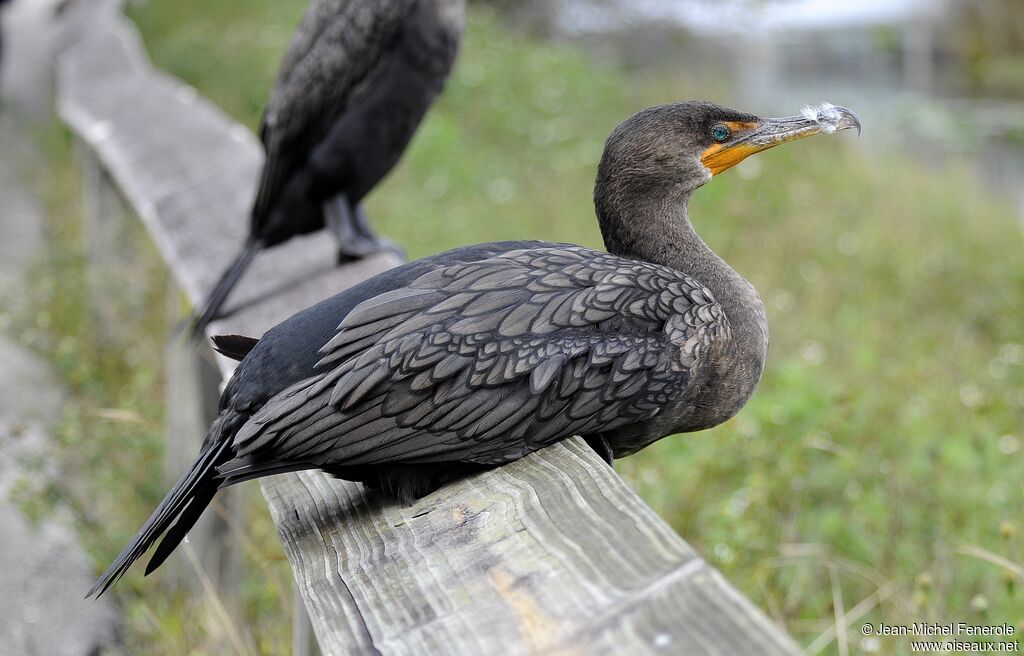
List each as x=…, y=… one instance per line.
x=681, y=146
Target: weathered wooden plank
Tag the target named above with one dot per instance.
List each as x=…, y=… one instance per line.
x=105, y=220
x=551, y=554
x=303, y=637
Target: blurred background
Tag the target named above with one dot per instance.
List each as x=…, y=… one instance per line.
x=878, y=469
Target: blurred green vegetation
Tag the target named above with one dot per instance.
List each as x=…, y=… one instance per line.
x=885, y=438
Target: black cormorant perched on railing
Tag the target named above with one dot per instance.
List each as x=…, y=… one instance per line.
x=480, y=355
x=355, y=82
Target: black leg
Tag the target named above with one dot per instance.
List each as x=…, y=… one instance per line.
x=602, y=448
x=362, y=222
x=338, y=219
x=350, y=227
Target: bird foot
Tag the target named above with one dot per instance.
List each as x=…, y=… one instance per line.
x=361, y=247
x=601, y=448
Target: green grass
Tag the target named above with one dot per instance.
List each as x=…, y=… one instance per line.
x=886, y=434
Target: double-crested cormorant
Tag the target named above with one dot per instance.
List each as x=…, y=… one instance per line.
x=480, y=355
x=354, y=84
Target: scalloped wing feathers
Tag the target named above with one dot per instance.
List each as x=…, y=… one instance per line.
x=486, y=361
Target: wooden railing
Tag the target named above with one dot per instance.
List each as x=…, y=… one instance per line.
x=550, y=554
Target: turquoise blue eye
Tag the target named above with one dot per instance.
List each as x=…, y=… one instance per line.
x=720, y=133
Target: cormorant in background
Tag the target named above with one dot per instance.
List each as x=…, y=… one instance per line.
x=354, y=84
x=480, y=355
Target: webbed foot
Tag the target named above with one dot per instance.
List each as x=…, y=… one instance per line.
x=352, y=230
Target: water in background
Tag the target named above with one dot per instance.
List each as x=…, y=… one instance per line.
x=884, y=58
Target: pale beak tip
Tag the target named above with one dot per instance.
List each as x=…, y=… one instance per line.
x=832, y=118
x=847, y=119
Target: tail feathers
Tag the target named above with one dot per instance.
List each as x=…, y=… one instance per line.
x=185, y=500
x=210, y=307
x=186, y=520
x=235, y=347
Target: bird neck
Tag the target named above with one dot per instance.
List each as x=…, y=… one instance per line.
x=658, y=230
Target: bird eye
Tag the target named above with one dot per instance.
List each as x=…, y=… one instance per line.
x=720, y=133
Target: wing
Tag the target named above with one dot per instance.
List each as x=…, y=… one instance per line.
x=338, y=44
x=486, y=361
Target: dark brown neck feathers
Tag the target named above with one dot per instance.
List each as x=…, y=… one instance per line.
x=643, y=224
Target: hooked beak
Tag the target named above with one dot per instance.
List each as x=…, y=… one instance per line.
x=753, y=137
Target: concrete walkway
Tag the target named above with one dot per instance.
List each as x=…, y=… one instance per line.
x=44, y=570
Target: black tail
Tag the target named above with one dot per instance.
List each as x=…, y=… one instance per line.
x=175, y=515
x=210, y=307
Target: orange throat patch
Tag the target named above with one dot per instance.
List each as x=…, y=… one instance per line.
x=722, y=156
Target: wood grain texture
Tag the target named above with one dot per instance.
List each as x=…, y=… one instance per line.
x=552, y=554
